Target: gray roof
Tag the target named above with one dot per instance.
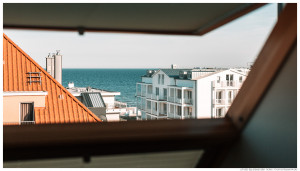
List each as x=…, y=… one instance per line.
x=174, y=72
x=93, y=99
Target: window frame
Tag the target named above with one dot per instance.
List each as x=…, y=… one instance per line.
x=89, y=142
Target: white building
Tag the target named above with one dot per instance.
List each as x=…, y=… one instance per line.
x=187, y=93
x=100, y=102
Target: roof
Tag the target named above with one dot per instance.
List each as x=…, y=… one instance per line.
x=159, y=18
x=213, y=73
x=61, y=106
x=173, y=72
x=93, y=100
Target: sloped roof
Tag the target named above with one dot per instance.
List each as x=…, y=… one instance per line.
x=93, y=99
x=61, y=106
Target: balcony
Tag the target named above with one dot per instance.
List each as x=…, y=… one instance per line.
x=155, y=97
x=154, y=112
x=178, y=100
x=138, y=93
x=148, y=110
x=171, y=99
x=143, y=93
x=188, y=101
x=120, y=104
x=149, y=96
x=227, y=84
x=219, y=102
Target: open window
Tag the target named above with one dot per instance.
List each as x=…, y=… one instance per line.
x=215, y=136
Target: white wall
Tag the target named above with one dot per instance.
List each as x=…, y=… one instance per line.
x=205, y=93
x=110, y=100
x=270, y=138
x=167, y=81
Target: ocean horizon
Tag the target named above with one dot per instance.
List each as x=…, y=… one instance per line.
x=112, y=79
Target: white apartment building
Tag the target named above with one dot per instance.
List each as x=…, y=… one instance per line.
x=187, y=93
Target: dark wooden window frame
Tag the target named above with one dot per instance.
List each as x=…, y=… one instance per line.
x=215, y=136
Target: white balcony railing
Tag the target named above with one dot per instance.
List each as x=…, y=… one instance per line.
x=143, y=93
x=219, y=102
x=138, y=93
x=227, y=84
x=120, y=104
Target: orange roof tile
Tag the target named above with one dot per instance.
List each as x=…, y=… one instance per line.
x=16, y=63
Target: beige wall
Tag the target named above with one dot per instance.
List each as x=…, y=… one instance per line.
x=11, y=106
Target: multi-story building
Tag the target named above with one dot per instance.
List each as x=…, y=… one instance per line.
x=187, y=93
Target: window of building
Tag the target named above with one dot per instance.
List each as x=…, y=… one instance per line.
x=27, y=113
x=189, y=94
x=219, y=112
x=172, y=109
x=158, y=78
x=241, y=79
x=165, y=93
x=219, y=95
x=148, y=104
x=162, y=79
x=229, y=79
x=218, y=79
x=179, y=110
x=157, y=91
x=179, y=94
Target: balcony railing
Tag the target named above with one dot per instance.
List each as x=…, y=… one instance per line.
x=155, y=97
x=164, y=98
x=219, y=101
x=226, y=84
x=138, y=93
x=149, y=95
x=120, y=104
x=188, y=101
x=171, y=99
x=148, y=110
x=154, y=112
x=143, y=93
x=177, y=100
x=27, y=122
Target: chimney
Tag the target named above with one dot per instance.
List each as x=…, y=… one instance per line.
x=54, y=65
x=50, y=64
x=173, y=66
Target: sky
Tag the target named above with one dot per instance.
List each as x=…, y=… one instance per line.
x=236, y=44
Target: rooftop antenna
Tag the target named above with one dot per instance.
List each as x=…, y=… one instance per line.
x=57, y=52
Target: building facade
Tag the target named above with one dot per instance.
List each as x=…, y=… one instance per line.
x=187, y=93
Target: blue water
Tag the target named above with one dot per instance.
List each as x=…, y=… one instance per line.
x=121, y=80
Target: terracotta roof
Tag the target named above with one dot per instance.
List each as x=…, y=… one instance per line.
x=68, y=109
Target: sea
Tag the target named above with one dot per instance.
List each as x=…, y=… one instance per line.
x=120, y=80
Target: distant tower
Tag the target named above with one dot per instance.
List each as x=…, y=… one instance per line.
x=174, y=66
x=54, y=65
